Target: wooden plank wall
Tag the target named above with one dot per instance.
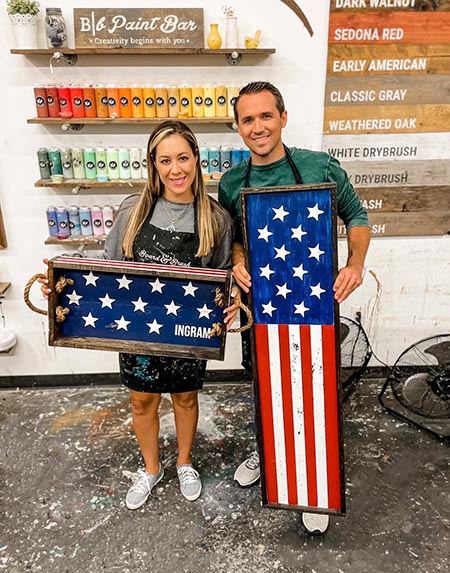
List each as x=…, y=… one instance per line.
x=387, y=110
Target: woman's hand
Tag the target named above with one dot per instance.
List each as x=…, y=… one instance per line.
x=231, y=311
x=44, y=283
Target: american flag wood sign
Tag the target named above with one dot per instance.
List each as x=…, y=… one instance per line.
x=290, y=241
x=137, y=307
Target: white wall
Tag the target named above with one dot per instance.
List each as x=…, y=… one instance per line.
x=408, y=299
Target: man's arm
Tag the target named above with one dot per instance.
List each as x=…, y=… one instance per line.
x=350, y=277
x=240, y=273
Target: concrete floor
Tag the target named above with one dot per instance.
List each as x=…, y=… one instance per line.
x=67, y=456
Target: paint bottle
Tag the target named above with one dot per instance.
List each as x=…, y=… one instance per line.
x=137, y=101
x=225, y=159
x=209, y=99
x=100, y=161
x=54, y=157
x=65, y=106
x=185, y=101
x=90, y=108
x=144, y=162
x=66, y=161
x=124, y=163
x=135, y=163
x=232, y=94
x=101, y=101
x=149, y=101
x=89, y=163
x=85, y=221
x=97, y=220
x=204, y=160
x=62, y=219
x=245, y=153
x=113, y=101
x=77, y=102
x=236, y=156
x=108, y=218
x=214, y=159
x=52, y=101
x=40, y=99
x=173, y=101
x=221, y=101
x=74, y=220
x=162, y=109
x=51, y=221
x=78, y=163
x=112, y=162
x=44, y=164
x=125, y=101
x=198, y=108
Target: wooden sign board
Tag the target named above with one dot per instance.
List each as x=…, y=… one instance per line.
x=389, y=5
x=426, y=224
x=3, y=243
x=139, y=28
x=137, y=308
x=290, y=243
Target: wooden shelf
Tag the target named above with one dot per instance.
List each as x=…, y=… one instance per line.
x=96, y=242
x=128, y=121
x=3, y=288
x=116, y=183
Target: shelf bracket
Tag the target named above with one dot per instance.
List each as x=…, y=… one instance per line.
x=69, y=59
x=72, y=126
x=233, y=58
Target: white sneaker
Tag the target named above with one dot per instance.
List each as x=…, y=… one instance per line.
x=248, y=472
x=138, y=493
x=190, y=482
x=315, y=523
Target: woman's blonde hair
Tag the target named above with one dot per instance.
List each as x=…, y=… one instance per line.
x=206, y=208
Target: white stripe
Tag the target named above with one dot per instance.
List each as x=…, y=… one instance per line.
x=319, y=415
x=298, y=413
x=277, y=411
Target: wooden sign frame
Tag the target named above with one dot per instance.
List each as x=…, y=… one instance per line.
x=298, y=412
x=151, y=309
x=134, y=28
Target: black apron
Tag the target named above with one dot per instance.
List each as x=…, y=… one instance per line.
x=245, y=336
x=158, y=374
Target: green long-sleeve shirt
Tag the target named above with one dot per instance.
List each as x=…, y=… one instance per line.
x=314, y=167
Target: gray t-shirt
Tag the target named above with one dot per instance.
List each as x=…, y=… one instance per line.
x=167, y=213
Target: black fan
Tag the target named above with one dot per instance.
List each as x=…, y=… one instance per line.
x=355, y=354
x=419, y=384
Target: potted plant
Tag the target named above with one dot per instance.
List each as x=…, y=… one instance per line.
x=22, y=14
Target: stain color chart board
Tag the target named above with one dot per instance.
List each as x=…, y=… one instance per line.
x=387, y=110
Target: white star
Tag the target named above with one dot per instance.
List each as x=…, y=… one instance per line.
x=189, y=289
x=124, y=282
x=89, y=320
x=157, y=286
x=264, y=234
x=153, y=326
x=268, y=308
x=266, y=271
x=283, y=290
x=282, y=253
x=107, y=301
x=122, y=323
x=172, y=308
x=280, y=213
x=204, y=312
x=316, y=290
x=298, y=233
x=300, y=272
x=139, y=304
x=74, y=298
x=91, y=279
x=314, y=212
x=315, y=252
x=300, y=308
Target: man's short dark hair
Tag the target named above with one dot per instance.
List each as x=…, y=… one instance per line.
x=256, y=88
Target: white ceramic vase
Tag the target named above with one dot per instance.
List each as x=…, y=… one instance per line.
x=25, y=30
x=231, y=32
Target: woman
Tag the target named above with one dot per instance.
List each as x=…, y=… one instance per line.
x=175, y=222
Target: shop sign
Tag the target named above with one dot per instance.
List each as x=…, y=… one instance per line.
x=133, y=28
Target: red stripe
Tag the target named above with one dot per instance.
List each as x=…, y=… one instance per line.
x=308, y=413
x=265, y=401
x=144, y=266
x=331, y=417
x=288, y=414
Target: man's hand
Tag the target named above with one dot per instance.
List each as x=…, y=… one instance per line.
x=44, y=283
x=348, y=279
x=242, y=277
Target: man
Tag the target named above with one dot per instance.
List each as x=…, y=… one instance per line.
x=260, y=118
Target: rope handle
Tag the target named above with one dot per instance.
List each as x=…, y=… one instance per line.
x=59, y=287
x=218, y=328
